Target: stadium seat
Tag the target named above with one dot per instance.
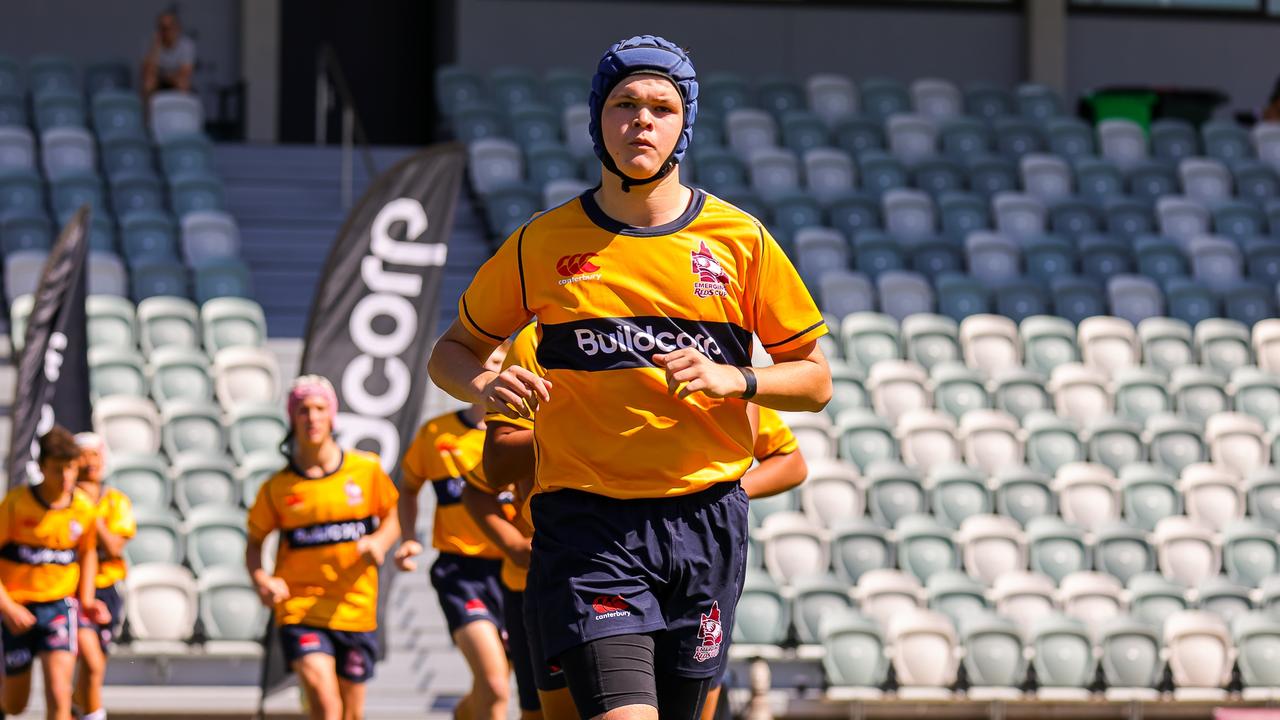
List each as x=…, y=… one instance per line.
x=494, y=163
x=987, y=101
x=1114, y=442
x=831, y=97
x=215, y=537
x=13, y=109
x=1185, y=550
x=908, y=213
x=115, y=371
x=858, y=134
x=1257, y=182
x=923, y=651
x=1056, y=548
x=25, y=229
x=71, y=190
x=232, y=322
x=956, y=595
x=1190, y=301
x=1048, y=257
x=180, y=373
x=244, y=374
x=59, y=109
x=1130, y=658
x=893, y=491
x=852, y=212
x=1182, y=219
x=1266, y=345
x=875, y=252
x=912, y=138
x=1160, y=258
x=533, y=125
x=814, y=598
x=1051, y=442
x=884, y=593
x=190, y=426
x=1223, y=345
x=1134, y=298
x=859, y=545
x=1148, y=494
x=904, y=293
x=1018, y=215
x=111, y=322
x=158, y=539
x=880, y=171
x=1063, y=658
x=17, y=148
x=1108, y=344
x=1121, y=550
x=117, y=112
x=22, y=193
x=1249, y=552
x=831, y=491
x=793, y=547
x=144, y=478
x=1226, y=141
x=477, y=121
x=208, y=236
x=748, y=129
x=1023, y=494
x=1174, y=441
x=927, y=439
x=133, y=192
x=1045, y=177
x=1088, y=494
x=1173, y=139
x=1213, y=494
x=936, y=99
x=230, y=612
x=574, y=123
x=964, y=137
x=1023, y=597
x=990, y=343
x=957, y=492
x=508, y=207
x=1123, y=142
x=957, y=389
x=174, y=114
x=1127, y=217
x=254, y=470
x=1255, y=635
x=881, y=97
x=960, y=296
x=66, y=151
x=779, y=95
x=165, y=321
x=1074, y=216
x=455, y=87
x=560, y=192
x=1266, y=141
x=990, y=439
x=228, y=277
x=148, y=236
x=22, y=271
x=855, y=660
x=843, y=292
x=1016, y=136
x=1237, y=442
x=186, y=154
x=848, y=390
x=1080, y=393
x=1249, y=302
x=930, y=339
x=774, y=171
x=828, y=173
x=1222, y=597
x=1205, y=180
x=161, y=602
x=1153, y=598
x=864, y=437
x=924, y=546
x=105, y=274
x=989, y=175
x=1019, y=392
x=1262, y=488
x=1098, y=179
x=1021, y=298
x=1238, y=220
x=993, y=545
x=1255, y=392
x=1197, y=393
x=201, y=479
x=127, y=154
x=1217, y=262
x=1091, y=597
x=195, y=192
x=992, y=257
x=869, y=338
x=128, y=424
x=896, y=387
x=1200, y=654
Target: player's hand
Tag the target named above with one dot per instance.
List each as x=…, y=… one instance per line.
x=516, y=392
x=698, y=373
x=371, y=550
x=97, y=612
x=272, y=590
x=18, y=619
x=520, y=554
x=408, y=550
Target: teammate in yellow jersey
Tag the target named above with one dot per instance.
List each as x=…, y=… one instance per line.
x=509, y=461
x=446, y=450
x=647, y=295
x=115, y=526
x=335, y=511
x=48, y=562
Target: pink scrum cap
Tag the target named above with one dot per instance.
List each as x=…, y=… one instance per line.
x=306, y=386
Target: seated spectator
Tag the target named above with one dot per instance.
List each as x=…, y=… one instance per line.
x=172, y=59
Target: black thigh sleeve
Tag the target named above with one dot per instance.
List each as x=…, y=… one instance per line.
x=610, y=673
x=681, y=698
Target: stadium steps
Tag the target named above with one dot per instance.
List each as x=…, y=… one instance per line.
x=287, y=201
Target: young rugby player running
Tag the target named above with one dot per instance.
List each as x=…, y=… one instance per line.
x=335, y=511
x=115, y=526
x=48, y=563
x=647, y=293
x=446, y=450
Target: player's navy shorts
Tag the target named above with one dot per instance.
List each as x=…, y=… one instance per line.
x=55, y=629
x=354, y=653
x=518, y=649
x=469, y=589
x=110, y=597
x=603, y=567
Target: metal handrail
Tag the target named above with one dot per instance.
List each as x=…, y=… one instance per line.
x=331, y=81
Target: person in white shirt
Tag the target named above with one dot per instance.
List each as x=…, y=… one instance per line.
x=171, y=61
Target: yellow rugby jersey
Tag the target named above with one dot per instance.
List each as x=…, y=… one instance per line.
x=607, y=297
x=116, y=510
x=446, y=451
x=40, y=546
x=773, y=436
x=320, y=519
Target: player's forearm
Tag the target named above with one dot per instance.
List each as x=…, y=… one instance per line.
x=457, y=370
x=508, y=455
x=802, y=385
x=6, y=602
x=388, y=531
x=775, y=474
x=253, y=561
x=88, y=575
x=487, y=512
x=407, y=515
x=111, y=544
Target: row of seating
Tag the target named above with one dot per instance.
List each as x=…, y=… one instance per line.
x=166, y=606
x=112, y=114
x=53, y=73
x=107, y=275
x=193, y=478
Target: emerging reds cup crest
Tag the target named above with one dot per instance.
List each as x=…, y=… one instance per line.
x=712, y=279
x=711, y=633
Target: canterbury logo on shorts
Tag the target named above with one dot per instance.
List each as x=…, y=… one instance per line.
x=330, y=533
x=34, y=555
x=617, y=343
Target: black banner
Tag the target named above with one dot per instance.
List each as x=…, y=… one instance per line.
x=373, y=319
x=53, y=368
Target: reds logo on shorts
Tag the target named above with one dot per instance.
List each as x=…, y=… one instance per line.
x=476, y=606
x=711, y=633
x=355, y=663
x=309, y=641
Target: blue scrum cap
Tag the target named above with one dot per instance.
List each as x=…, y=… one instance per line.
x=644, y=54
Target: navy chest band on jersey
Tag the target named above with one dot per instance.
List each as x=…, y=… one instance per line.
x=330, y=533
x=35, y=555
x=448, y=491
x=621, y=343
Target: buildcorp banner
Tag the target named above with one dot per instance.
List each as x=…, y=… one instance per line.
x=53, y=368
x=372, y=321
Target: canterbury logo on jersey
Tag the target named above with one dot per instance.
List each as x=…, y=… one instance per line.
x=619, y=343
x=330, y=533
x=34, y=555
x=576, y=264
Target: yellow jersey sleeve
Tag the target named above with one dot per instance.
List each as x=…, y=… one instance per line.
x=263, y=518
x=383, y=494
x=495, y=305
x=773, y=437
x=784, y=315
x=119, y=515
x=523, y=353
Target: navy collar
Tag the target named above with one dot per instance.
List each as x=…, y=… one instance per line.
x=329, y=473
x=608, y=224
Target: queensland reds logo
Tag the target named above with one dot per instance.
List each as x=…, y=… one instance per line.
x=711, y=633
x=712, y=278
x=571, y=265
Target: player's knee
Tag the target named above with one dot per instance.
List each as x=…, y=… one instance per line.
x=492, y=689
